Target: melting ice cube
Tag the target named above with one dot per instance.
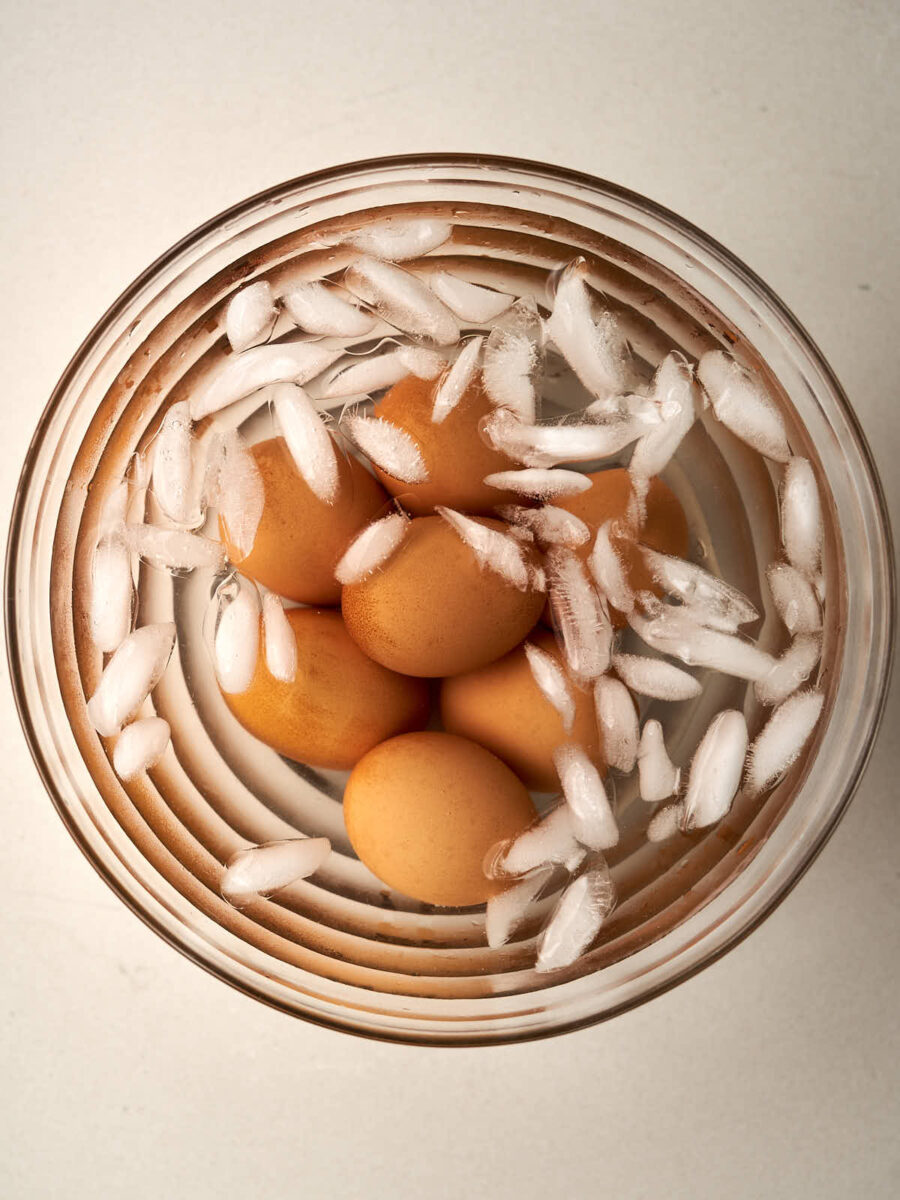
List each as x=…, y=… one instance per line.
x=403, y=300
x=250, y=316
x=741, y=403
x=654, y=677
x=552, y=681
x=389, y=447
x=310, y=444
x=506, y=910
x=658, y=776
x=593, y=821
x=140, y=746
x=583, y=623
x=783, y=738
x=582, y=909
x=371, y=548
x=262, y=870
x=320, y=310
x=618, y=722
x=716, y=770
x=471, y=303
x=130, y=676
x=280, y=642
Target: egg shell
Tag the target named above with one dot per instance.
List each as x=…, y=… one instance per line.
x=300, y=538
x=455, y=455
x=340, y=703
x=432, y=610
x=422, y=811
x=501, y=707
x=666, y=528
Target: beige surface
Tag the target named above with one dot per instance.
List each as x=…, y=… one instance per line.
x=126, y=1071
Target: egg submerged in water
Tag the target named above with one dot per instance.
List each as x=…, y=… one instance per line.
x=300, y=538
x=455, y=455
x=424, y=809
x=433, y=610
x=501, y=707
x=339, y=705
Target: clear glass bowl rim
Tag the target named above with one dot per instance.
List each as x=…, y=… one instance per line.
x=213, y=960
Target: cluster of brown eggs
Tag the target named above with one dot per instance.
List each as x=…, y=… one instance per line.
x=415, y=678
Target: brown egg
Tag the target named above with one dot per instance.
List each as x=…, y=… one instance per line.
x=607, y=499
x=455, y=455
x=502, y=708
x=432, y=610
x=300, y=538
x=423, y=810
x=340, y=703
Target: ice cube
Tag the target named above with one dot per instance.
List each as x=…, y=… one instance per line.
x=674, y=393
x=783, y=738
x=423, y=363
x=494, y=550
x=112, y=593
x=593, y=821
x=666, y=823
x=396, y=239
x=578, y=612
x=236, y=644
x=675, y=632
x=130, y=676
x=506, y=910
x=656, y=678
x=706, y=594
x=453, y=386
x=472, y=304
x=794, y=597
x=140, y=470
x=388, y=446
x=261, y=870
x=549, y=840
x=369, y=374
x=172, y=465
x=539, y=482
x=638, y=408
x=403, y=300
x=547, y=445
x=576, y=921
x=280, y=642
x=617, y=720
x=250, y=316
x=114, y=510
x=550, y=525
x=801, y=517
x=716, y=770
x=236, y=486
x=174, y=549
x=597, y=351
x=259, y=367
x=553, y=684
x=140, y=746
x=512, y=360
x=372, y=547
x=608, y=569
x=658, y=777
x=740, y=401
x=311, y=445
x=791, y=670
x=319, y=309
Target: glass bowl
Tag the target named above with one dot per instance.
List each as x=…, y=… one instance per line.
x=340, y=949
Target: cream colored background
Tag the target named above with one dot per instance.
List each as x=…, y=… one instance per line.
x=127, y=1072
